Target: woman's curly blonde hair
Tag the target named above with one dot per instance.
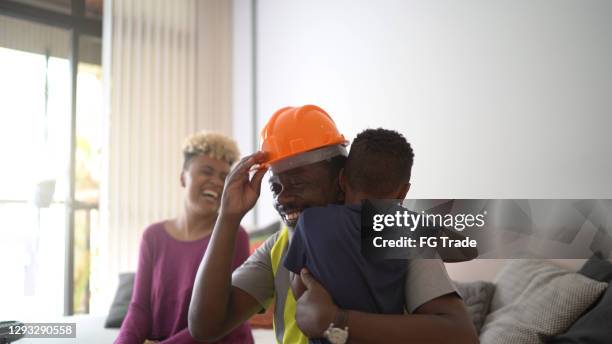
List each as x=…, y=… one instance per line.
x=214, y=145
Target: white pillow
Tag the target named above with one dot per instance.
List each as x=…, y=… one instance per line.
x=534, y=300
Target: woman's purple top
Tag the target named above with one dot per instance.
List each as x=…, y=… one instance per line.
x=162, y=289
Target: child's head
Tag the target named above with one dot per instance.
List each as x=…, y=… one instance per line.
x=378, y=166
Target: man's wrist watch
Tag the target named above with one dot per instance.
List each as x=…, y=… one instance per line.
x=338, y=331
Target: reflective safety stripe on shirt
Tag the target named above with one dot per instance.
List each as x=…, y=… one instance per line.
x=285, y=327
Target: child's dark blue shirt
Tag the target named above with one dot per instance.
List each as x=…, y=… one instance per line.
x=327, y=241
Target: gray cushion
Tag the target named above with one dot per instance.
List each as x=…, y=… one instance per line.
x=594, y=326
x=535, y=300
x=477, y=297
x=120, y=305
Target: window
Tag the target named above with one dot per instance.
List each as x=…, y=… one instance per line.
x=49, y=179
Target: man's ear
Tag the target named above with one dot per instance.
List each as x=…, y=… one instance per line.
x=403, y=191
x=183, y=178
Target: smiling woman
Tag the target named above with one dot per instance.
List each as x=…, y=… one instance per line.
x=171, y=250
x=207, y=158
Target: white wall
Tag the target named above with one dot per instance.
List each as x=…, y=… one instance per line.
x=500, y=99
x=242, y=84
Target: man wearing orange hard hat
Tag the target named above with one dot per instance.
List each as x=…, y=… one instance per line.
x=305, y=151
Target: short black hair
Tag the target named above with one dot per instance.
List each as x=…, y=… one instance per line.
x=379, y=162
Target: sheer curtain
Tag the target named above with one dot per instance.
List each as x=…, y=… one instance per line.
x=168, y=74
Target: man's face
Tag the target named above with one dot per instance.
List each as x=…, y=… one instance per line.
x=303, y=187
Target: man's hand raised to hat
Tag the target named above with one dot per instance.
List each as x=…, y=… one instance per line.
x=241, y=193
x=216, y=307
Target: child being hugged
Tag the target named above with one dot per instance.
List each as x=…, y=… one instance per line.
x=378, y=167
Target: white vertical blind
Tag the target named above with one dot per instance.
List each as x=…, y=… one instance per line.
x=214, y=87
x=169, y=70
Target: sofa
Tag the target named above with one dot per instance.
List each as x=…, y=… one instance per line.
x=528, y=301
x=535, y=301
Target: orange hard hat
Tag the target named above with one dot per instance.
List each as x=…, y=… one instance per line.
x=292, y=131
